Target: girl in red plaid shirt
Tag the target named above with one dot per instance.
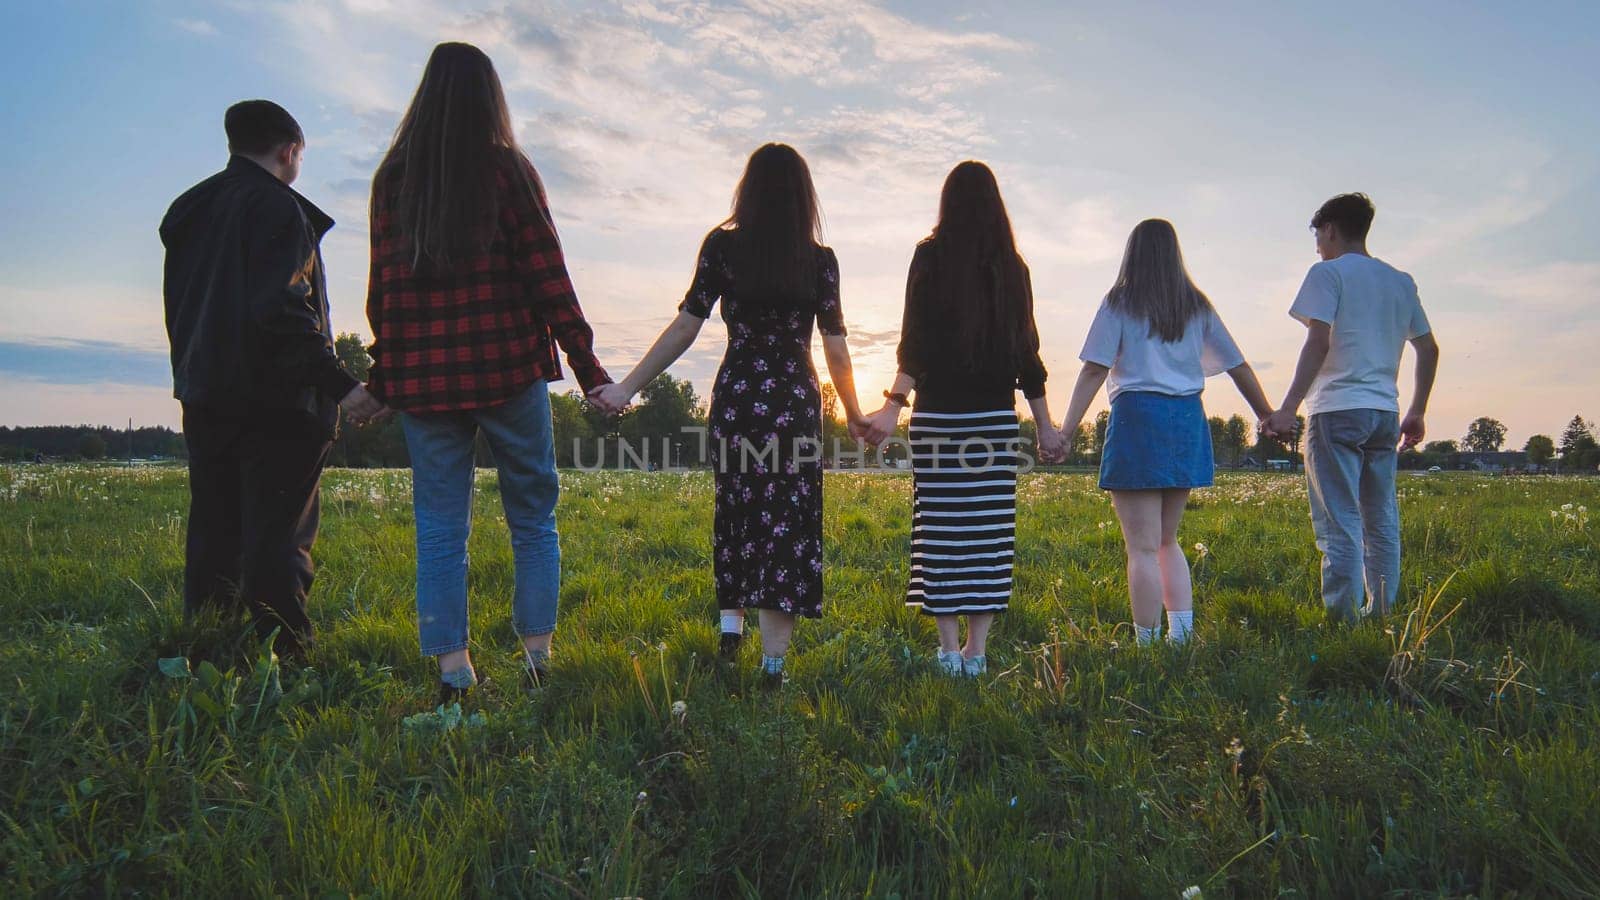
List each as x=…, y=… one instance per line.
x=468, y=298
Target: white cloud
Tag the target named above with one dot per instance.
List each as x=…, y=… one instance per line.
x=199, y=27
x=640, y=116
x=1567, y=291
x=84, y=311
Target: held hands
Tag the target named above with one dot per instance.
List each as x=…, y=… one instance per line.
x=1052, y=443
x=1281, y=424
x=362, y=407
x=877, y=427
x=857, y=428
x=610, y=398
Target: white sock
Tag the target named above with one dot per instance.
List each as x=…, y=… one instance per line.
x=1143, y=636
x=1179, y=624
x=733, y=623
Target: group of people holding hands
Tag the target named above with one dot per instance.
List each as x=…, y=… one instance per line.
x=469, y=297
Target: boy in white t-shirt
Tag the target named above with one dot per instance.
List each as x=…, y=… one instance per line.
x=1359, y=313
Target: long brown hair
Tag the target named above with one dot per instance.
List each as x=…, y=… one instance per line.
x=441, y=170
x=1153, y=283
x=980, y=281
x=777, y=224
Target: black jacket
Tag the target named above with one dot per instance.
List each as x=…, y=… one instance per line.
x=247, y=298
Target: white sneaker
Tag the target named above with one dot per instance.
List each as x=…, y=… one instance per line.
x=951, y=663
x=975, y=666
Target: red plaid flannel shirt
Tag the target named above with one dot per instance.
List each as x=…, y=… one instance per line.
x=481, y=333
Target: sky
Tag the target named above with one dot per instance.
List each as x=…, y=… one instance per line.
x=1472, y=126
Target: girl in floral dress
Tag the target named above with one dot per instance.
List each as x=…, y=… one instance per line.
x=767, y=265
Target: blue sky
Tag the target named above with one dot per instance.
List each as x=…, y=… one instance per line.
x=1472, y=127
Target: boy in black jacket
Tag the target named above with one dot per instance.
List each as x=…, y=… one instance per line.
x=254, y=366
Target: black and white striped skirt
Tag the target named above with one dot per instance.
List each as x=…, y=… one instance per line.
x=964, y=500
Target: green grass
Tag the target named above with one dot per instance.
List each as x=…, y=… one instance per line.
x=1449, y=751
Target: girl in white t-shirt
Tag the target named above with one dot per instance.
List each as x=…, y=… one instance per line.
x=1152, y=344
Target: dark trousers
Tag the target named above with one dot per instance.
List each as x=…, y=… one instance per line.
x=253, y=514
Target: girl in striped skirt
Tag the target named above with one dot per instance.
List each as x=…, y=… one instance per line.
x=967, y=342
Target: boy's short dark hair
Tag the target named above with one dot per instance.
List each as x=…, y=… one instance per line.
x=258, y=127
x=1349, y=214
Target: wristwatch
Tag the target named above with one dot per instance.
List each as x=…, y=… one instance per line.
x=897, y=398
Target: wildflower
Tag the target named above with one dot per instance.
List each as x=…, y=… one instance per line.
x=1192, y=892
x=1201, y=549
x=642, y=797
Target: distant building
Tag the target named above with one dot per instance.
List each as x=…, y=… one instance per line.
x=1500, y=461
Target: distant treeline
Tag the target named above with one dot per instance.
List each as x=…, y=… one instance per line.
x=81, y=442
x=652, y=434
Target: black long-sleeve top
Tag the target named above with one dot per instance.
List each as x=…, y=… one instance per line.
x=934, y=354
x=246, y=298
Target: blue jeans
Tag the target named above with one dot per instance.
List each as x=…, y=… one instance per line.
x=441, y=447
x=1350, y=471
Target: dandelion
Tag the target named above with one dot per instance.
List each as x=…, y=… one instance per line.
x=642, y=796
x=1202, y=549
x=680, y=708
x=1235, y=750
x=1192, y=892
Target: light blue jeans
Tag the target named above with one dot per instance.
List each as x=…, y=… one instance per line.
x=441, y=447
x=1350, y=472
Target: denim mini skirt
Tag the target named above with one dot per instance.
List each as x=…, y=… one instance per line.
x=1156, y=441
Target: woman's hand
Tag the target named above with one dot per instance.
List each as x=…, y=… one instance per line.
x=857, y=428
x=611, y=398
x=881, y=424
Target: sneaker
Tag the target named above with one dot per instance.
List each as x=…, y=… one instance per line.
x=950, y=663
x=975, y=666
x=728, y=647
x=771, y=670
x=535, y=668
x=535, y=676
x=449, y=693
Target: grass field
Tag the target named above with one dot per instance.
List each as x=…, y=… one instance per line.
x=1449, y=751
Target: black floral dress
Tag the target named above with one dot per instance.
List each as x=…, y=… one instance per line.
x=766, y=435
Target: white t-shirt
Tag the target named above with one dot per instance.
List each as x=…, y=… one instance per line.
x=1374, y=309
x=1141, y=362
